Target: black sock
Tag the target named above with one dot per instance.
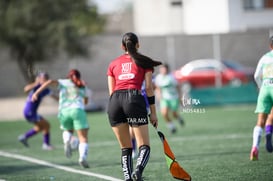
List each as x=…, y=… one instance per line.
x=143, y=157
x=126, y=163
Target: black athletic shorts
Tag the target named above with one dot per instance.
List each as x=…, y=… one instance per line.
x=127, y=106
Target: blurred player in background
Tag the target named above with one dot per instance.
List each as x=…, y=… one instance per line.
x=168, y=92
x=143, y=92
x=31, y=114
x=264, y=79
x=72, y=98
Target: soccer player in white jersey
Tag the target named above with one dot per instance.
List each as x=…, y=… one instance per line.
x=168, y=92
x=264, y=79
x=72, y=116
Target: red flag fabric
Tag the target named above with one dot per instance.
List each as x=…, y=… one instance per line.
x=175, y=169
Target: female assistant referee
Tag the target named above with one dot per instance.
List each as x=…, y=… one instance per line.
x=127, y=105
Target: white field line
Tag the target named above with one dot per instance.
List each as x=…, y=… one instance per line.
x=48, y=164
x=180, y=138
x=211, y=137
x=174, y=139
x=111, y=143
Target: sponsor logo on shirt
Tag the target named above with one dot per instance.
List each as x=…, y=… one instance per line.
x=126, y=72
x=126, y=76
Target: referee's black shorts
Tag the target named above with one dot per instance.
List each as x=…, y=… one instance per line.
x=127, y=106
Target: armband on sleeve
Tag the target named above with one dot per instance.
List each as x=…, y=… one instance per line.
x=151, y=100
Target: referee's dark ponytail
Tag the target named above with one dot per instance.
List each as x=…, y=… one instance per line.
x=129, y=41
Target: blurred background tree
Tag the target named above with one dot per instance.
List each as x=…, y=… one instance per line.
x=36, y=30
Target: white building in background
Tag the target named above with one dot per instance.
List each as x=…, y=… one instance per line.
x=164, y=17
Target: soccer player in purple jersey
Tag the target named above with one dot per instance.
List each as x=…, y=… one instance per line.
x=32, y=116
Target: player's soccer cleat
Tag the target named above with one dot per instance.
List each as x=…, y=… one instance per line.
x=181, y=122
x=83, y=163
x=47, y=147
x=254, y=154
x=136, y=176
x=67, y=150
x=23, y=140
x=268, y=144
x=173, y=130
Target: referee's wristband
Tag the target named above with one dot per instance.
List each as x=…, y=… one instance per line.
x=151, y=100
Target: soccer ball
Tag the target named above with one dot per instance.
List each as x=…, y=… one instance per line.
x=74, y=143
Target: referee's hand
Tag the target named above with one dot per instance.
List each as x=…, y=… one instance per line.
x=153, y=120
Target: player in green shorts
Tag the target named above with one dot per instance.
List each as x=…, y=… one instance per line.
x=264, y=79
x=72, y=116
x=168, y=92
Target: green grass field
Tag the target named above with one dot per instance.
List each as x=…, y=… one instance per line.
x=213, y=146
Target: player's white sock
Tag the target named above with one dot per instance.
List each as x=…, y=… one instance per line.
x=170, y=125
x=66, y=136
x=83, y=151
x=257, y=133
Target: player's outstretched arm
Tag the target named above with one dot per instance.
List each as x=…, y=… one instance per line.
x=44, y=85
x=30, y=86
